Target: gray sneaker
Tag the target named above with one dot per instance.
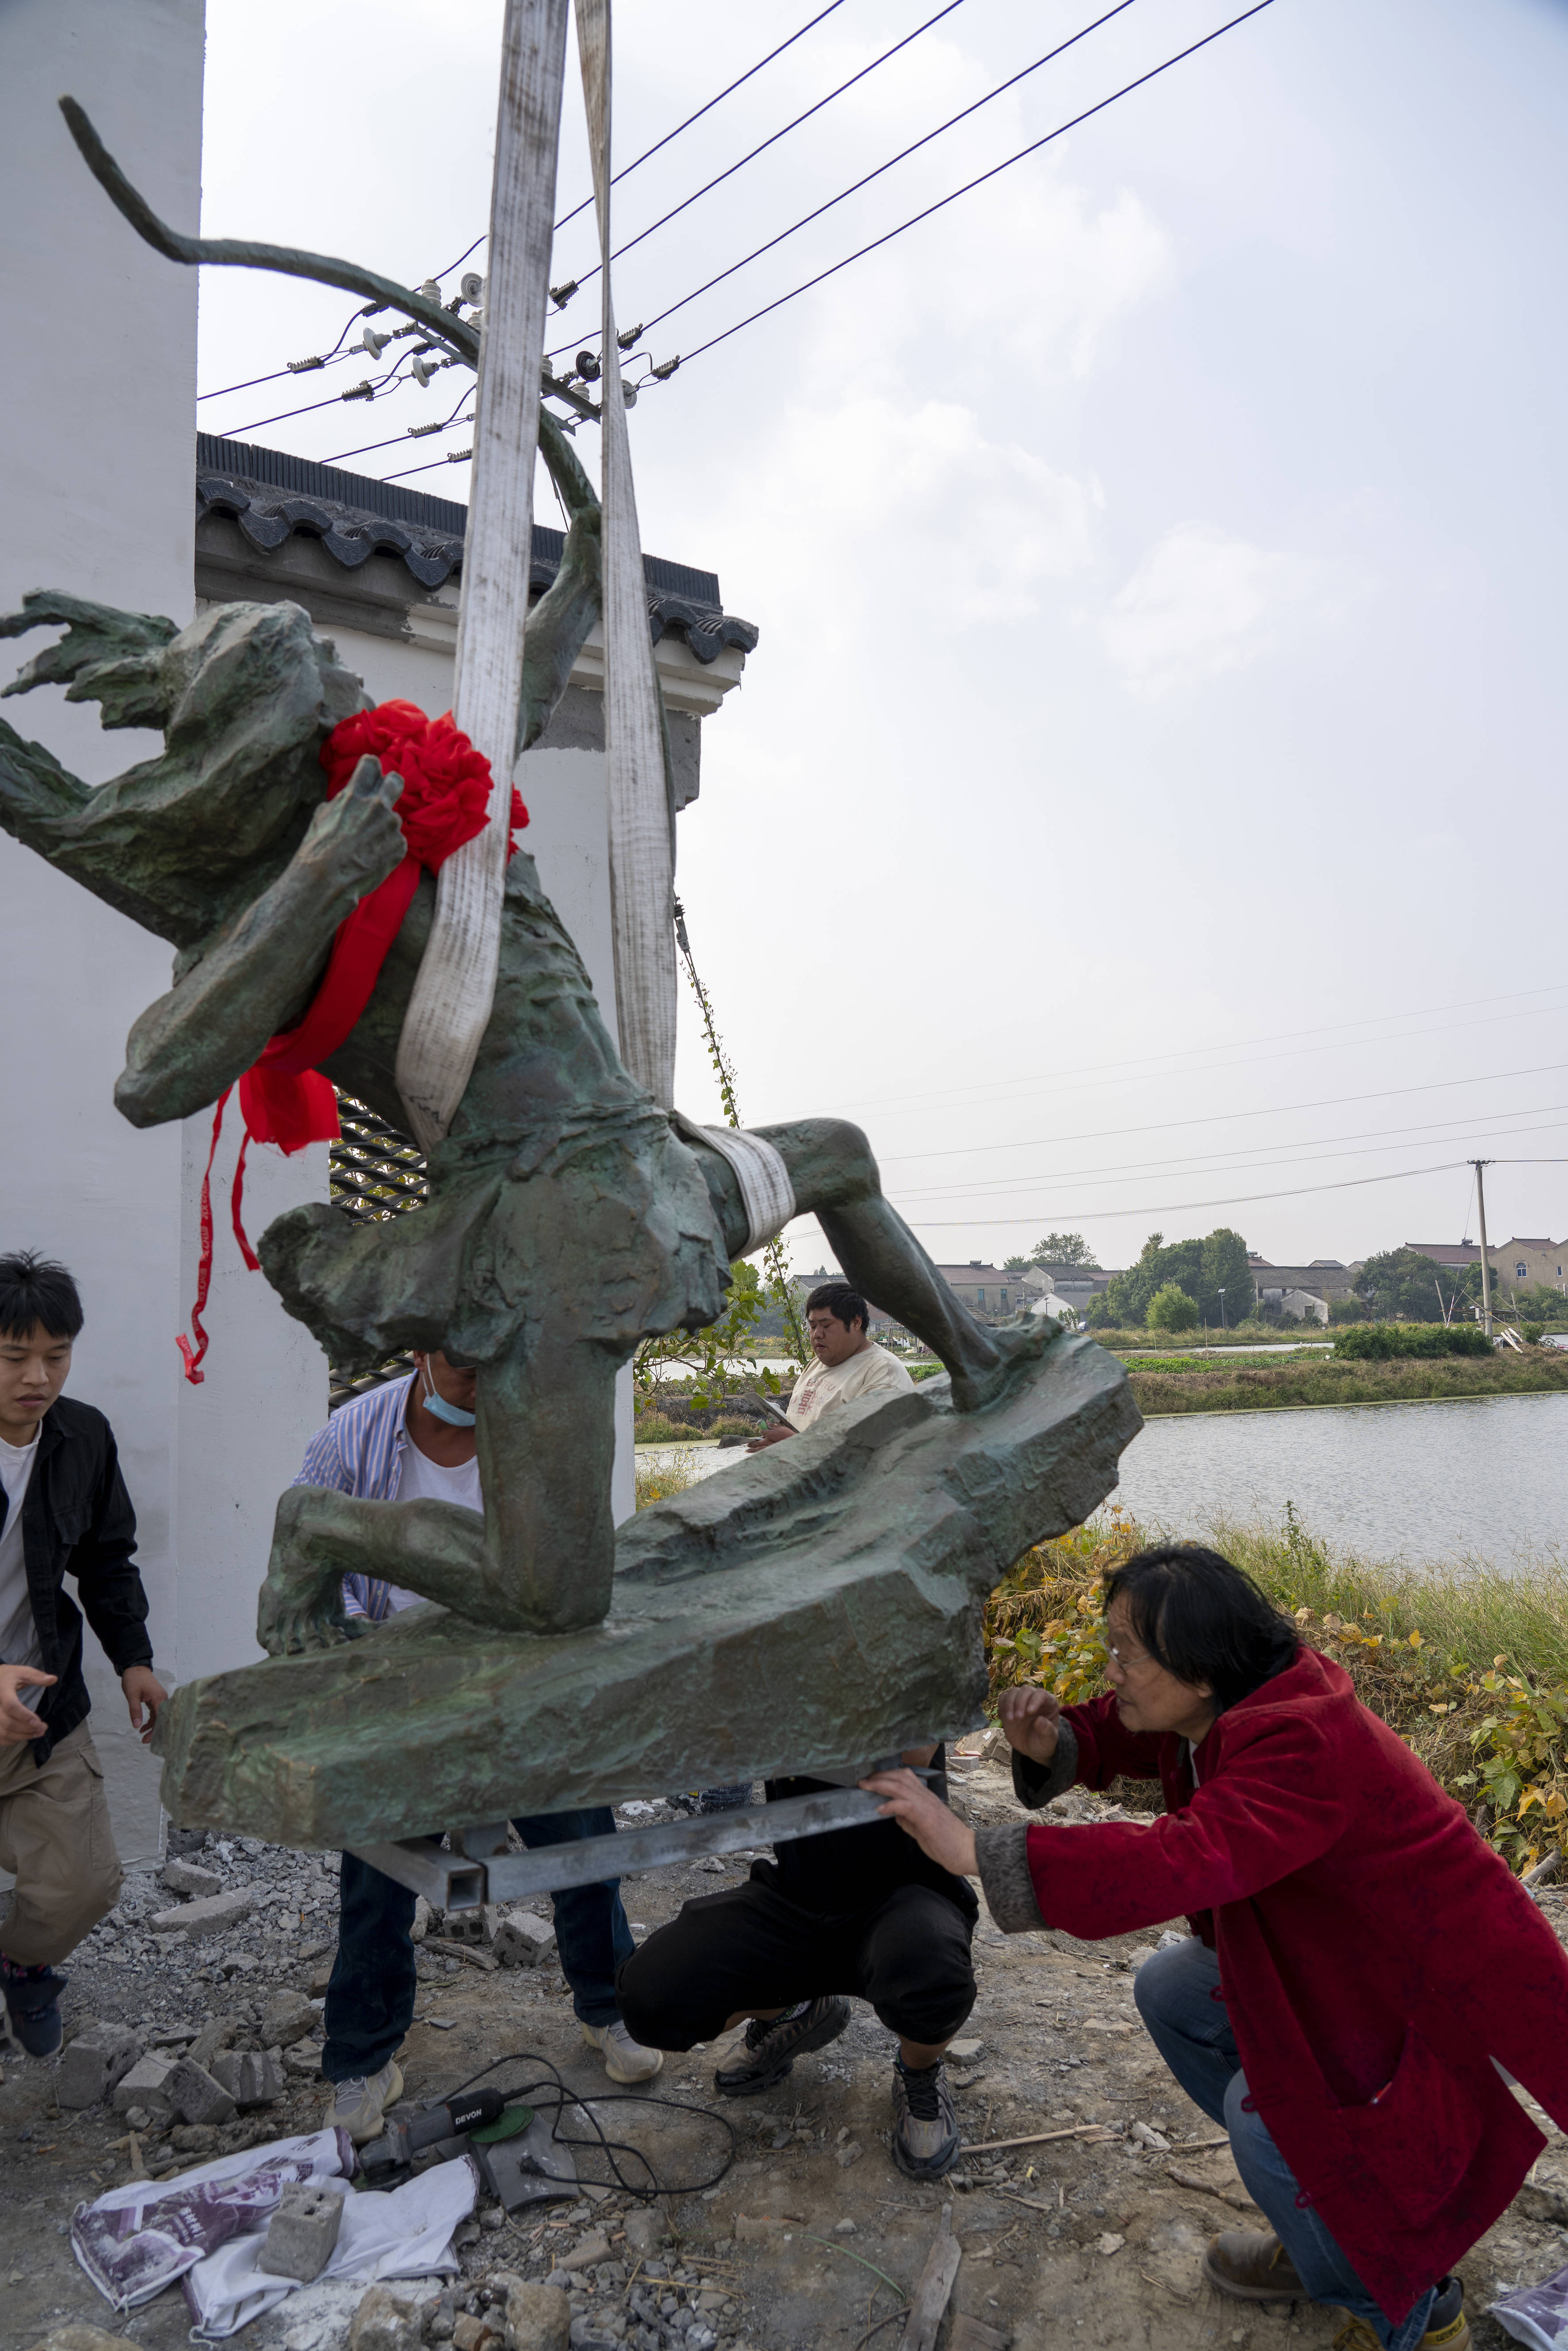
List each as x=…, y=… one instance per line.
x=770, y=2050
x=924, y=2121
x=358, y=2105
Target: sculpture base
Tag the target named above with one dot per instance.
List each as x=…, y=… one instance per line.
x=817, y=1601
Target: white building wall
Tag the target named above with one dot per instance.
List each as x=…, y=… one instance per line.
x=95, y=484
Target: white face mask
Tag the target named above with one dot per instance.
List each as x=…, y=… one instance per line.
x=453, y=1414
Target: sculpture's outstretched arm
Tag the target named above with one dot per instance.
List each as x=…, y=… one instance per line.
x=444, y=327
x=105, y=656
x=259, y=971
x=562, y=621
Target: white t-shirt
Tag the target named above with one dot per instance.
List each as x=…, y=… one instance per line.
x=19, y=1643
x=830, y=1386
x=421, y=1479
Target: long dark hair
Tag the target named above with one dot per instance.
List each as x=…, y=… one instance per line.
x=1203, y=1620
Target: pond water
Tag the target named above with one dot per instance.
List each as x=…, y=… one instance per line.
x=1484, y=1476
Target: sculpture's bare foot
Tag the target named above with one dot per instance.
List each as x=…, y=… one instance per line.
x=300, y=1604
x=1020, y=1343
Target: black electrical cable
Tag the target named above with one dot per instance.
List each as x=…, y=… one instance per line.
x=398, y=438
x=376, y=392
x=609, y=2148
x=943, y=201
x=903, y=154
x=332, y=359
x=774, y=138
x=434, y=465
x=698, y=117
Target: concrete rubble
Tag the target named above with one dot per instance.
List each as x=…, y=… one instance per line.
x=1088, y=2244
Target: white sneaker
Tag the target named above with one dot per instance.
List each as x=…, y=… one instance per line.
x=359, y=2104
x=625, y=2060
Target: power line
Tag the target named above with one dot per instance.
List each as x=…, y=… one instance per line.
x=372, y=392
x=904, y=152
x=1143, y=1061
x=774, y=137
x=1222, y=1163
x=698, y=117
x=398, y=439
x=1223, y=1117
x=943, y=201
x=1179, y=1207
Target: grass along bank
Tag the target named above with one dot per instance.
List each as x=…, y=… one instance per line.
x=1192, y=1385
x=1470, y=1667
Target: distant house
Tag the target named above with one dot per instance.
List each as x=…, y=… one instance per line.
x=1516, y=1264
x=1324, y=1279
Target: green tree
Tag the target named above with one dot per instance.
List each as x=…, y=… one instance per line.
x=1170, y=1309
x=1223, y=1265
x=1017, y=1264
x=1059, y=1249
x=1404, y=1284
x=1197, y=1267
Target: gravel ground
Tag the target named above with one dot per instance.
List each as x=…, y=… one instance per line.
x=811, y=2236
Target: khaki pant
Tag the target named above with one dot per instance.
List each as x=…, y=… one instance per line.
x=55, y=1839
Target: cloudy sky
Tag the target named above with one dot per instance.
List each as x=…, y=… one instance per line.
x=1145, y=802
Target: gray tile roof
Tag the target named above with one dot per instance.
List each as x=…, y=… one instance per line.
x=271, y=495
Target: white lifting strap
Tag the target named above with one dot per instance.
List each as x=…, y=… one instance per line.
x=453, y=994
x=641, y=874
x=765, y=1188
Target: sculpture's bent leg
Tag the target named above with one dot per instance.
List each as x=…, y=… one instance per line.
x=834, y=1175
x=546, y=1446
x=436, y=1548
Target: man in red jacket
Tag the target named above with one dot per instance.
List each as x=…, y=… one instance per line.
x=1336, y=2010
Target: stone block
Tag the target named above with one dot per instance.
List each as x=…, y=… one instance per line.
x=646, y=2228
x=188, y=1877
x=214, y=1915
x=589, y=2252
x=423, y=1916
x=539, y=2318
x=195, y=2097
x=524, y=1939
x=212, y=2038
x=304, y=2058
x=252, y=2078
x=385, y=2321
x=303, y=2233
x=290, y=2017
x=94, y=2062
x=143, y=2085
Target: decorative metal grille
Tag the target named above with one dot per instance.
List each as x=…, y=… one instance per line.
x=377, y=1173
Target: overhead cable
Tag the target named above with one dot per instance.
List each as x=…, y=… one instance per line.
x=359, y=391
x=726, y=92
x=1178, y=1208
x=1223, y=1117
x=943, y=201
x=774, y=137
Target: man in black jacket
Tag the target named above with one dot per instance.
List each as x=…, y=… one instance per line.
x=63, y=1510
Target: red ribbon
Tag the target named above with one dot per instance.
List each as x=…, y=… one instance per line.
x=284, y=1099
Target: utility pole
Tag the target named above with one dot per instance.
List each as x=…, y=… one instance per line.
x=1486, y=1270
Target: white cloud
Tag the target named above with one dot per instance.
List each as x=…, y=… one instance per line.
x=1202, y=603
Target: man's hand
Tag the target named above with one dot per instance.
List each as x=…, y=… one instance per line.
x=1029, y=1718
x=924, y=1816
x=775, y=1436
x=142, y=1689
x=19, y=1723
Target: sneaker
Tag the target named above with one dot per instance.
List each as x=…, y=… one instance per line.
x=1447, y=2328
x=771, y=2048
x=1252, y=2265
x=33, y=2006
x=924, y=2121
x=360, y=2102
x=625, y=2060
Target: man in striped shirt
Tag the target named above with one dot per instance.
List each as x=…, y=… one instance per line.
x=414, y=1438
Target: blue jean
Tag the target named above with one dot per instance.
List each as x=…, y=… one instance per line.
x=1177, y=1992
x=370, y=2000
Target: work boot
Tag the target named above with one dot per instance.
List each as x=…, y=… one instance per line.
x=33, y=2006
x=1447, y=2328
x=1252, y=2265
x=924, y=2121
x=360, y=2102
x=771, y=2048
x=625, y=2060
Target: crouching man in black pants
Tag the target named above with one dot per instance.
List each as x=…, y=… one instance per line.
x=857, y=1910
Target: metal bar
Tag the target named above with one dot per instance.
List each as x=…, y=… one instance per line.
x=456, y=1883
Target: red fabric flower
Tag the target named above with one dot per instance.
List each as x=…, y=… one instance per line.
x=445, y=782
